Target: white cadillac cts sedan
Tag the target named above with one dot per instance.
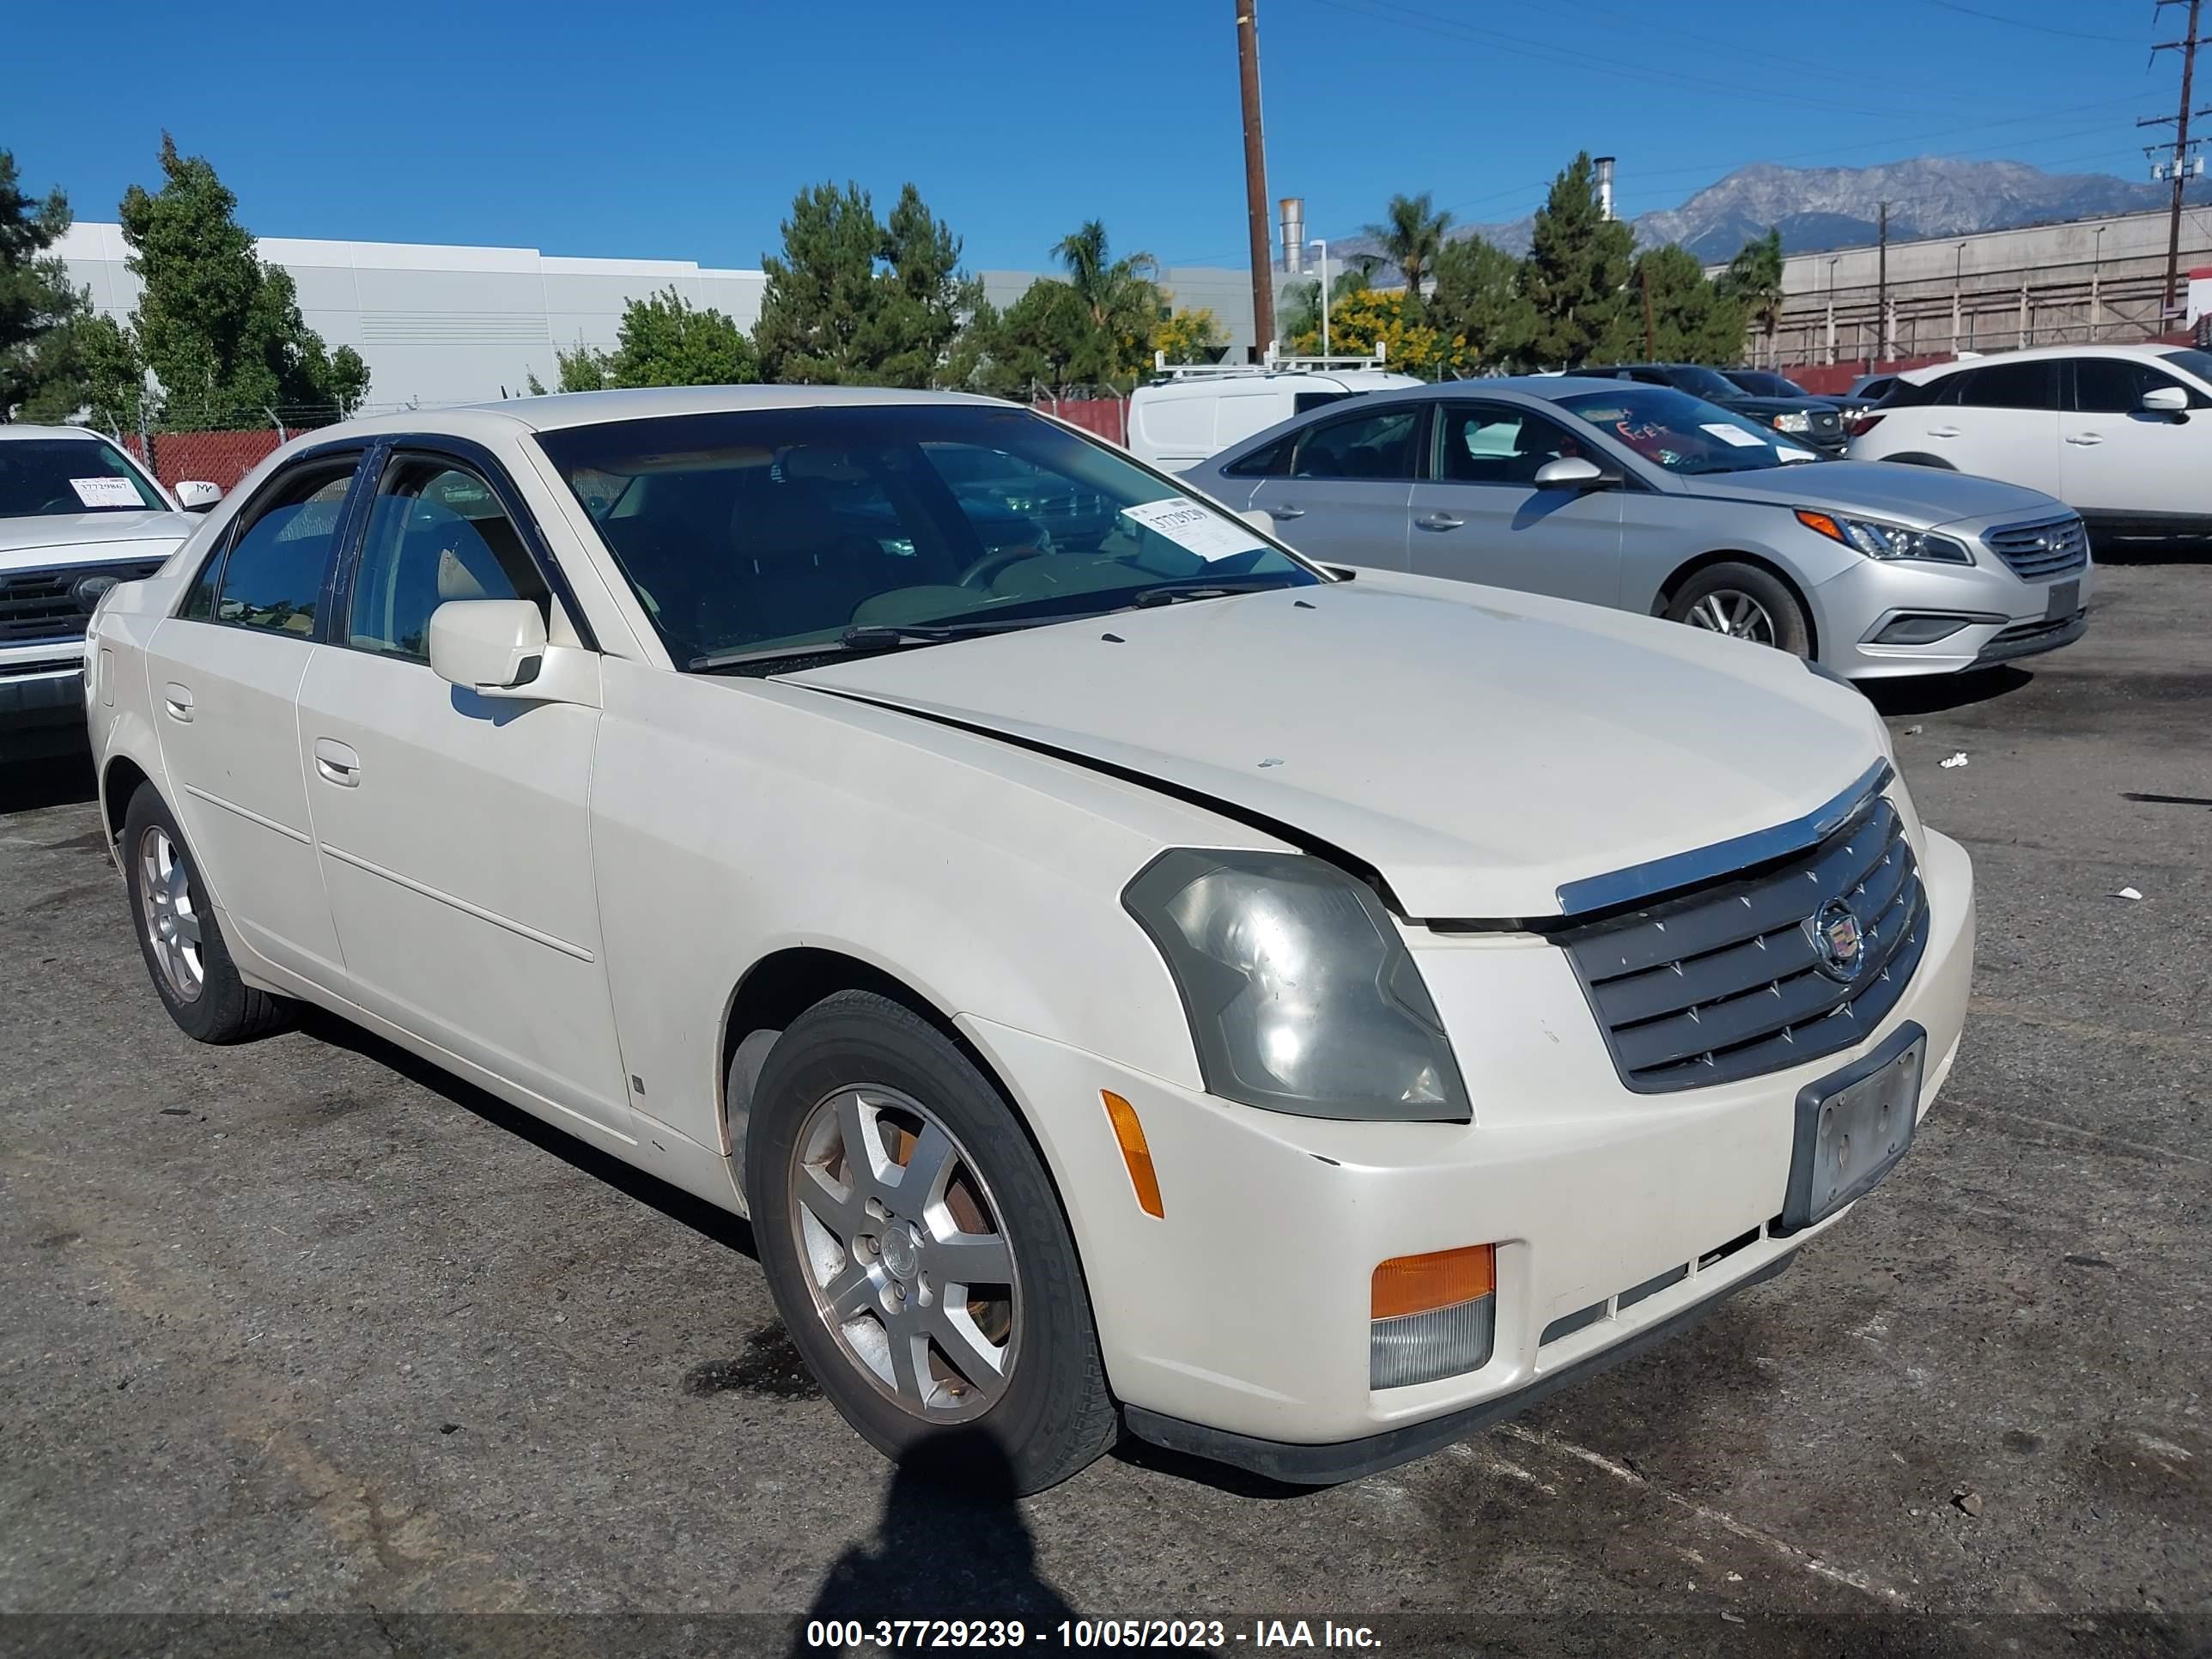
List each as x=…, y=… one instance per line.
x=1129, y=975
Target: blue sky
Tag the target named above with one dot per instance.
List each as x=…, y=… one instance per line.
x=680, y=130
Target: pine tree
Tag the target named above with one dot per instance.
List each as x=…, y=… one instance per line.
x=40, y=378
x=1576, y=273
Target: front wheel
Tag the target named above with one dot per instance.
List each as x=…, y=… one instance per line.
x=1745, y=603
x=916, y=1250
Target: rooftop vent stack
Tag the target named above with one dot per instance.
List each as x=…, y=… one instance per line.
x=1294, y=233
x=1604, y=165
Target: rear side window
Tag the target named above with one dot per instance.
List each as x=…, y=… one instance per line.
x=1267, y=461
x=2032, y=385
x=1305, y=401
x=272, y=577
x=1379, y=445
x=2115, y=385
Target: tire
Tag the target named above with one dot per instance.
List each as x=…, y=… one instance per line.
x=1755, y=604
x=177, y=934
x=1008, y=1374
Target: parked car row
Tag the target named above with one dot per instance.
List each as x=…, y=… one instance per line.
x=1134, y=977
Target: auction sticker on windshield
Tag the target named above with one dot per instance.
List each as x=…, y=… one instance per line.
x=1734, y=434
x=105, y=492
x=1199, y=529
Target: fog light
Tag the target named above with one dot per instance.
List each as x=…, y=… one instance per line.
x=1432, y=1316
x=1919, y=630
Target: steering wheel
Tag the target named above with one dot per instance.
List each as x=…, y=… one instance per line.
x=979, y=573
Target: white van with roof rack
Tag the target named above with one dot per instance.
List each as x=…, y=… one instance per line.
x=1192, y=411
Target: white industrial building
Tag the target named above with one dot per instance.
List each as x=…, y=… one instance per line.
x=439, y=325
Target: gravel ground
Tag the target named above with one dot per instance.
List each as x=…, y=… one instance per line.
x=306, y=1328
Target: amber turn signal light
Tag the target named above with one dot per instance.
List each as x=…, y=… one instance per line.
x=1134, y=1153
x=1422, y=1283
x=1821, y=522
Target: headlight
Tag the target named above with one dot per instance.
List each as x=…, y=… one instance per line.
x=1302, y=997
x=1878, y=540
x=1796, y=420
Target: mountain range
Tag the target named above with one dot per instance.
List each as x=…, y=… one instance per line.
x=1820, y=208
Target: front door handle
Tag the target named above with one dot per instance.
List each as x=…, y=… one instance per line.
x=178, y=700
x=1943, y=431
x=1440, y=521
x=1285, y=511
x=337, y=764
x=2087, y=439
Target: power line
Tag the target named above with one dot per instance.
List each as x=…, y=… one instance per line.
x=2022, y=23
x=2183, y=145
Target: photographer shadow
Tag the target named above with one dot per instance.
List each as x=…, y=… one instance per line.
x=951, y=1544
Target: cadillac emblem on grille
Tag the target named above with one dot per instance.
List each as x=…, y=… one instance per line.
x=1837, y=938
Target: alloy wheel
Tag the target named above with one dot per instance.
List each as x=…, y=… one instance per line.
x=1733, y=612
x=905, y=1258
x=171, y=914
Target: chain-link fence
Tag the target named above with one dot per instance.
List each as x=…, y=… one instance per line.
x=1094, y=408
x=220, y=445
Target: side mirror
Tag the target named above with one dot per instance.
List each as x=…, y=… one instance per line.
x=1573, y=472
x=488, y=646
x=2165, y=400
x=197, y=494
x=1260, y=519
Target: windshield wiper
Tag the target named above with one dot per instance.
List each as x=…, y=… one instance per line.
x=869, y=637
x=1205, y=587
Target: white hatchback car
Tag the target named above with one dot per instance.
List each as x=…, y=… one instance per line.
x=2121, y=433
x=1301, y=1018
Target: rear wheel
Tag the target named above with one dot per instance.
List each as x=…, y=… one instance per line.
x=1745, y=603
x=917, y=1251
x=177, y=934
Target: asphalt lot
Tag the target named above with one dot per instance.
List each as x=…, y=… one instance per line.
x=306, y=1328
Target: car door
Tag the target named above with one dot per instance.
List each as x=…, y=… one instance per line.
x=224, y=672
x=2119, y=458
x=1479, y=514
x=454, y=830
x=2000, y=420
x=1350, y=483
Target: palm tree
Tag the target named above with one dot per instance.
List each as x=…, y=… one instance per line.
x=1121, y=296
x=1411, y=236
x=1754, y=279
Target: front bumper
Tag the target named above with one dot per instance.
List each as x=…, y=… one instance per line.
x=42, y=703
x=1241, y=1313
x=2000, y=616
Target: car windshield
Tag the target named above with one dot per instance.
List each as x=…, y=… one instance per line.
x=1704, y=383
x=759, y=534
x=1683, y=433
x=44, y=477
x=2191, y=360
x=1765, y=383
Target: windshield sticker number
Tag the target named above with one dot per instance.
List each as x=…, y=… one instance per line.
x=1199, y=529
x=105, y=492
x=1735, y=435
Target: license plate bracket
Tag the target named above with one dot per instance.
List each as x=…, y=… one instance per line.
x=1852, y=1127
x=2062, y=600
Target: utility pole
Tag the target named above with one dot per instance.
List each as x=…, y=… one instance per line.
x=1881, y=289
x=2179, y=164
x=1255, y=175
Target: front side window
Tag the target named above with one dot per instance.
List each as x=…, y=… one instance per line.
x=436, y=532
x=1495, y=444
x=59, y=477
x=272, y=577
x=2115, y=385
x=1267, y=461
x=2032, y=384
x=1379, y=445
x=1683, y=433
x=759, y=534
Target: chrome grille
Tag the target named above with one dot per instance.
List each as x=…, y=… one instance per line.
x=1826, y=423
x=2051, y=547
x=42, y=605
x=1725, y=981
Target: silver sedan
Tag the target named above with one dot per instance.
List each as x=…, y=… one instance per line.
x=1646, y=499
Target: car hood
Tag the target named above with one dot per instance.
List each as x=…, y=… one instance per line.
x=1920, y=497
x=1478, y=750
x=91, y=535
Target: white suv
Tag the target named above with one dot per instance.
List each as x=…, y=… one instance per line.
x=2121, y=433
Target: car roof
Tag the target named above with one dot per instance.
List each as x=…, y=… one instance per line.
x=1336, y=380
x=558, y=410
x=2029, y=354
x=85, y=433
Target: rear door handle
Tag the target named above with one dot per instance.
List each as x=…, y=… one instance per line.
x=178, y=700
x=337, y=764
x=1440, y=521
x=1285, y=511
x=2086, y=438
x=1943, y=431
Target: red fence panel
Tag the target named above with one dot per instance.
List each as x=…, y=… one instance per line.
x=1106, y=417
x=218, y=458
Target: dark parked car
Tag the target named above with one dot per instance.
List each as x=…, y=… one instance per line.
x=1816, y=422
